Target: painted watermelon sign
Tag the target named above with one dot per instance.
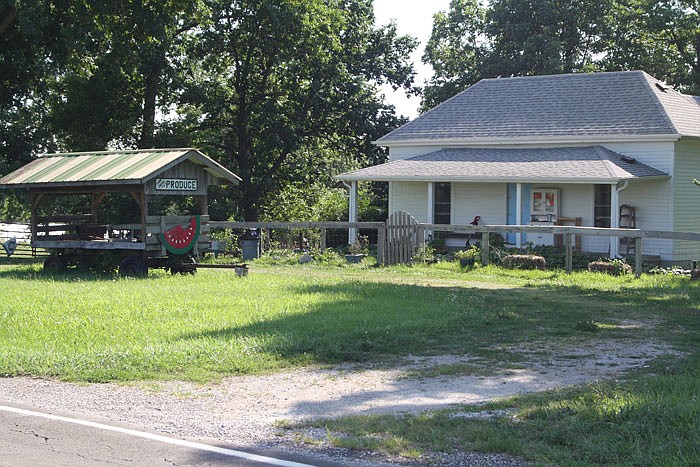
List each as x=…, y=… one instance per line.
x=180, y=240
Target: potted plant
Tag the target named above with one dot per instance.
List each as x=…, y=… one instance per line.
x=468, y=257
x=358, y=250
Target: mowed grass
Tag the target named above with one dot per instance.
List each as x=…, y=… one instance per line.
x=101, y=328
x=82, y=327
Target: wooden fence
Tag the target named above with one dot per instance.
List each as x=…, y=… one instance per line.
x=568, y=233
x=400, y=236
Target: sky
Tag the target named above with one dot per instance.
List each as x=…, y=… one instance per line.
x=414, y=17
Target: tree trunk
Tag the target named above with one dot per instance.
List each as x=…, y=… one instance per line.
x=151, y=81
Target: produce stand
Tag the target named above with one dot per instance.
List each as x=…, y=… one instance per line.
x=150, y=241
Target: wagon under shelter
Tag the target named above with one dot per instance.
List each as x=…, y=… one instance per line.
x=102, y=206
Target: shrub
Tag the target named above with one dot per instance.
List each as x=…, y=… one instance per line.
x=469, y=256
x=615, y=267
x=424, y=254
x=524, y=262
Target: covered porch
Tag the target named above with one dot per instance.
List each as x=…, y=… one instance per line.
x=585, y=186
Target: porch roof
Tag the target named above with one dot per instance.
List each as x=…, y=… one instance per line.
x=589, y=164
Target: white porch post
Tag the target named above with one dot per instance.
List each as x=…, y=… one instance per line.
x=431, y=207
x=352, y=211
x=519, y=213
x=614, y=219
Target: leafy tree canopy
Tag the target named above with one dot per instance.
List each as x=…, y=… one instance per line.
x=530, y=37
x=280, y=91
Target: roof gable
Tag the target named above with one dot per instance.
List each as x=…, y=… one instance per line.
x=584, y=105
x=128, y=167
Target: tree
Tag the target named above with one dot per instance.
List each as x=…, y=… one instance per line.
x=273, y=77
x=511, y=37
x=532, y=37
x=661, y=37
x=456, y=50
x=121, y=72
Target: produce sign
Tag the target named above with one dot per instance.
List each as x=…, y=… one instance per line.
x=178, y=240
x=176, y=184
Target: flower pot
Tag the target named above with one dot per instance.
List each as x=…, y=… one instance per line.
x=354, y=258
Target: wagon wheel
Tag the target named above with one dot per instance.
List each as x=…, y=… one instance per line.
x=55, y=264
x=133, y=266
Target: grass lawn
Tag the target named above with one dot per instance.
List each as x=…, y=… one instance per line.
x=83, y=327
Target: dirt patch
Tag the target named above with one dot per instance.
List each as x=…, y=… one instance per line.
x=244, y=410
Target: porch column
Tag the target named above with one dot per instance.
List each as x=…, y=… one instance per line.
x=431, y=208
x=614, y=219
x=352, y=214
x=519, y=212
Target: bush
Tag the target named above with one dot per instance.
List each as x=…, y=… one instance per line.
x=469, y=256
x=524, y=262
x=615, y=267
x=425, y=254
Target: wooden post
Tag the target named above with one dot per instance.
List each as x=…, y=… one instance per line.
x=569, y=243
x=485, y=247
x=638, y=257
x=95, y=200
x=323, y=239
x=144, y=214
x=36, y=199
x=381, y=245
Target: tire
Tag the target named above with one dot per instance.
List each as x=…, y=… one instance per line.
x=133, y=266
x=55, y=264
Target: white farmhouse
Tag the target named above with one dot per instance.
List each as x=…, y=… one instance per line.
x=599, y=149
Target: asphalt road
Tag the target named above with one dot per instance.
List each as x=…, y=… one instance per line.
x=33, y=438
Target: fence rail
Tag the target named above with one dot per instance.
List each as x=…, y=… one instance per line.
x=568, y=233
x=384, y=236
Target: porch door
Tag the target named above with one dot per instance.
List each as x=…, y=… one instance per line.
x=511, y=208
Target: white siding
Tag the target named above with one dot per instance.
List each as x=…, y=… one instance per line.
x=411, y=197
x=401, y=153
x=652, y=203
x=487, y=200
x=657, y=155
x=687, y=198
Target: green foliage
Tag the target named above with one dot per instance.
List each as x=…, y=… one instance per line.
x=283, y=76
x=473, y=253
x=424, y=254
x=455, y=50
x=284, y=93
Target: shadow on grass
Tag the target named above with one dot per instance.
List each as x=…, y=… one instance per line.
x=359, y=321
x=28, y=271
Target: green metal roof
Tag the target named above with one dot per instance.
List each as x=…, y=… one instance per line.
x=109, y=167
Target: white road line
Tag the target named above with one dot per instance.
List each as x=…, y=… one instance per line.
x=162, y=439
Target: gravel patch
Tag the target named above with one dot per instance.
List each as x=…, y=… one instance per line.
x=244, y=410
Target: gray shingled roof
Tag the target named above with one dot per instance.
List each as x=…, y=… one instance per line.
x=572, y=105
x=590, y=164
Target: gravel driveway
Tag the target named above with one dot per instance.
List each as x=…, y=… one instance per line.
x=243, y=410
